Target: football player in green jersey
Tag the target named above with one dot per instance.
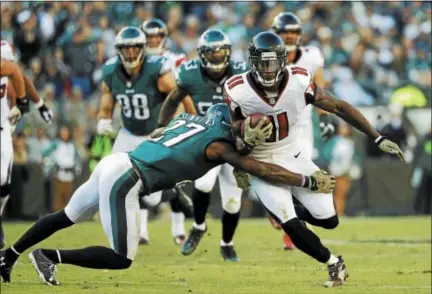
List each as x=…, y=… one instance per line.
x=203, y=79
x=139, y=83
x=189, y=147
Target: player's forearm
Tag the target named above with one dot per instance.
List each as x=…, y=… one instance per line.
x=169, y=107
x=354, y=117
x=345, y=111
x=275, y=174
x=105, y=113
x=19, y=85
x=31, y=90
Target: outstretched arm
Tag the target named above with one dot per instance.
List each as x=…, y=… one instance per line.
x=326, y=101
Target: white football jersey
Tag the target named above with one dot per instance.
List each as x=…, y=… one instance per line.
x=241, y=94
x=8, y=54
x=311, y=58
x=4, y=112
x=175, y=59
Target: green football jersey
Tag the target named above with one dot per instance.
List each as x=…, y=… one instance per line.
x=204, y=91
x=180, y=153
x=140, y=99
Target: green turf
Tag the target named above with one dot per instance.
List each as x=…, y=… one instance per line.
x=395, y=259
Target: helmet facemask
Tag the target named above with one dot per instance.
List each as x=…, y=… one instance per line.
x=267, y=67
x=158, y=47
x=215, y=58
x=131, y=55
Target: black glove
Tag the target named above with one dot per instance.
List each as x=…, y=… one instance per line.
x=23, y=105
x=45, y=113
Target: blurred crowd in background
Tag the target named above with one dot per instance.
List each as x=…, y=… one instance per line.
x=376, y=53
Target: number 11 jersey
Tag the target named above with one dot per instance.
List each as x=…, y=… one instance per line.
x=296, y=91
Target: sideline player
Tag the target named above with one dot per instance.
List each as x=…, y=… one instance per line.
x=188, y=148
x=203, y=79
x=282, y=93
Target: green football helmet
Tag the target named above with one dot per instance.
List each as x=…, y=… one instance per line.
x=130, y=46
x=214, y=50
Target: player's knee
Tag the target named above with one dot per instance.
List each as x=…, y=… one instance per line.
x=152, y=199
x=293, y=226
x=205, y=186
x=231, y=205
x=4, y=190
x=330, y=223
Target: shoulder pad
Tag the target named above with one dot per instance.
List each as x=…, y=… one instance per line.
x=301, y=75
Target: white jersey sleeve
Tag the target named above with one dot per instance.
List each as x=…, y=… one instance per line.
x=232, y=92
x=311, y=58
x=303, y=82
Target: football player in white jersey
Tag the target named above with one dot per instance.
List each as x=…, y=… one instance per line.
x=281, y=93
x=289, y=27
x=9, y=118
x=156, y=33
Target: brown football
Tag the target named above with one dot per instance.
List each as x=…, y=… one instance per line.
x=254, y=120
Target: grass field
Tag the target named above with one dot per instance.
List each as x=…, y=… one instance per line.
x=383, y=255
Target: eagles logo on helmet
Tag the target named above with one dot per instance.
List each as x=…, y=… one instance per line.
x=130, y=46
x=214, y=51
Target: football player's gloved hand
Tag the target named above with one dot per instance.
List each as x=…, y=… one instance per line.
x=15, y=115
x=327, y=130
x=320, y=182
x=104, y=127
x=389, y=147
x=157, y=132
x=257, y=135
x=241, y=178
x=44, y=112
x=23, y=105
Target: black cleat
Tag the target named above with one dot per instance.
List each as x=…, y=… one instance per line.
x=229, y=253
x=143, y=241
x=5, y=267
x=192, y=241
x=45, y=268
x=338, y=274
x=183, y=201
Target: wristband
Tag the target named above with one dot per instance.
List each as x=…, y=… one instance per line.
x=305, y=181
x=379, y=140
x=39, y=104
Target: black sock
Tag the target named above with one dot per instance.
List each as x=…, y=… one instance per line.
x=98, y=257
x=304, y=215
x=229, y=225
x=175, y=202
x=42, y=229
x=142, y=203
x=306, y=240
x=1, y=232
x=201, y=201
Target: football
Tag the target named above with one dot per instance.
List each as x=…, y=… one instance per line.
x=254, y=120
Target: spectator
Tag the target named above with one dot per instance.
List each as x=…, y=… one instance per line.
x=65, y=163
x=28, y=40
x=421, y=179
x=74, y=108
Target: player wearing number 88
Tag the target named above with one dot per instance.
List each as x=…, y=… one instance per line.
x=139, y=83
